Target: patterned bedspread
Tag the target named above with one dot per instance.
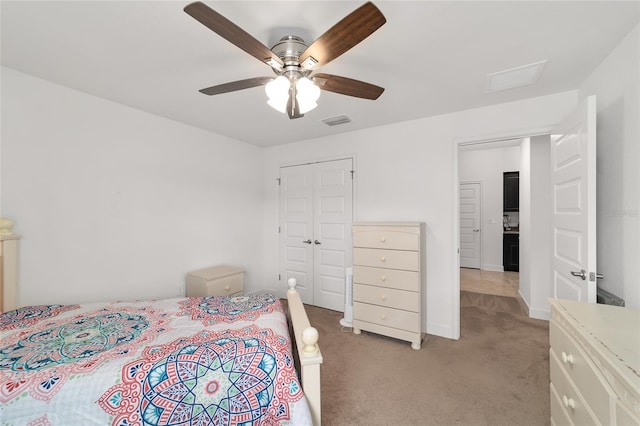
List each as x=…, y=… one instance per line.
x=190, y=361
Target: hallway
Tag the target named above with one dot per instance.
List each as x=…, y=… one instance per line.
x=489, y=282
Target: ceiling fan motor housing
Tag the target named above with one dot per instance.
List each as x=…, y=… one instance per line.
x=289, y=49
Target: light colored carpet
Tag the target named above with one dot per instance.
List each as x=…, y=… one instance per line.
x=496, y=374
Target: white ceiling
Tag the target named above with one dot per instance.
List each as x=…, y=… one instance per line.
x=431, y=57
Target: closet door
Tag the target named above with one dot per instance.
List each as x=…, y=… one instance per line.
x=316, y=210
x=296, y=228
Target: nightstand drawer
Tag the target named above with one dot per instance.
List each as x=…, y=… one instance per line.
x=384, y=237
x=396, y=318
x=217, y=281
x=392, y=278
x=393, y=259
x=387, y=297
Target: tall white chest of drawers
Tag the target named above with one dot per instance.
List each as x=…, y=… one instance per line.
x=388, y=279
x=594, y=364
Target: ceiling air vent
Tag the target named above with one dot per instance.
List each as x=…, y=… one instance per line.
x=514, y=77
x=337, y=120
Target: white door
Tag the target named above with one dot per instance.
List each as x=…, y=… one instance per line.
x=296, y=228
x=316, y=211
x=470, y=203
x=573, y=180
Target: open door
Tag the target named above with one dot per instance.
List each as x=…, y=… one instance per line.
x=573, y=180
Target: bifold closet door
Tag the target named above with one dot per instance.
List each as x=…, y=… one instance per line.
x=316, y=210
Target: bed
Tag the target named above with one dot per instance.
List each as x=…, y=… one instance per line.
x=184, y=361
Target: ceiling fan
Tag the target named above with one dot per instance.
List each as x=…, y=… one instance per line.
x=296, y=88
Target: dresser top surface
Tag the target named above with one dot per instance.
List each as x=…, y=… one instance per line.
x=614, y=330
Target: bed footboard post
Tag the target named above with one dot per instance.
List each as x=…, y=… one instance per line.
x=306, y=341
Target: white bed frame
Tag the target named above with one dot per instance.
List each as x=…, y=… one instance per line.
x=304, y=336
x=306, y=341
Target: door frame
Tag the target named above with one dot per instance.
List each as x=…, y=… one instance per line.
x=480, y=183
x=456, y=145
x=281, y=283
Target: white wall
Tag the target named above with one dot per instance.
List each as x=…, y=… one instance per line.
x=408, y=171
x=535, y=225
x=114, y=203
x=524, y=248
x=616, y=83
x=487, y=166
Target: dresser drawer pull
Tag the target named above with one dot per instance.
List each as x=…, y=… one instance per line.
x=567, y=359
x=227, y=288
x=383, y=317
x=383, y=259
x=568, y=402
x=383, y=297
x=383, y=239
x=383, y=277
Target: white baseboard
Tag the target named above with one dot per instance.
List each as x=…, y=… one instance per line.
x=493, y=268
x=543, y=314
x=540, y=314
x=442, y=330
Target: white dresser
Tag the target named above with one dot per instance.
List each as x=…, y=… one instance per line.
x=388, y=279
x=594, y=364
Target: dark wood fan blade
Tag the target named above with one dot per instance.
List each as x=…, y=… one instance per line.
x=348, y=86
x=236, y=85
x=351, y=30
x=293, y=109
x=232, y=33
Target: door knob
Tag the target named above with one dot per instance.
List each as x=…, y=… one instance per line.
x=316, y=242
x=308, y=241
x=582, y=274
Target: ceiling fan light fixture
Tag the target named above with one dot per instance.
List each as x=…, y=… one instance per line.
x=309, y=63
x=279, y=104
x=278, y=93
x=274, y=64
x=307, y=94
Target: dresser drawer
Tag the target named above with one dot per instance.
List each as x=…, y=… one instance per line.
x=387, y=297
x=399, y=238
x=396, y=318
x=580, y=369
x=571, y=402
x=559, y=415
x=394, y=259
x=392, y=278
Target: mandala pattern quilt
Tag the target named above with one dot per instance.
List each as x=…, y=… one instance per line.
x=190, y=361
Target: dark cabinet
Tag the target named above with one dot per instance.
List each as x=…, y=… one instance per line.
x=511, y=252
x=511, y=191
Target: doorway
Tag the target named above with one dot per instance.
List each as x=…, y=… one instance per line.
x=483, y=230
x=316, y=213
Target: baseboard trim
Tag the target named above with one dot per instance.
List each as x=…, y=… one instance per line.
x=493, y=268
x=442, y=330
x=542, y=314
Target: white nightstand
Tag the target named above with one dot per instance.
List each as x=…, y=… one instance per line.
x=221, y=280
